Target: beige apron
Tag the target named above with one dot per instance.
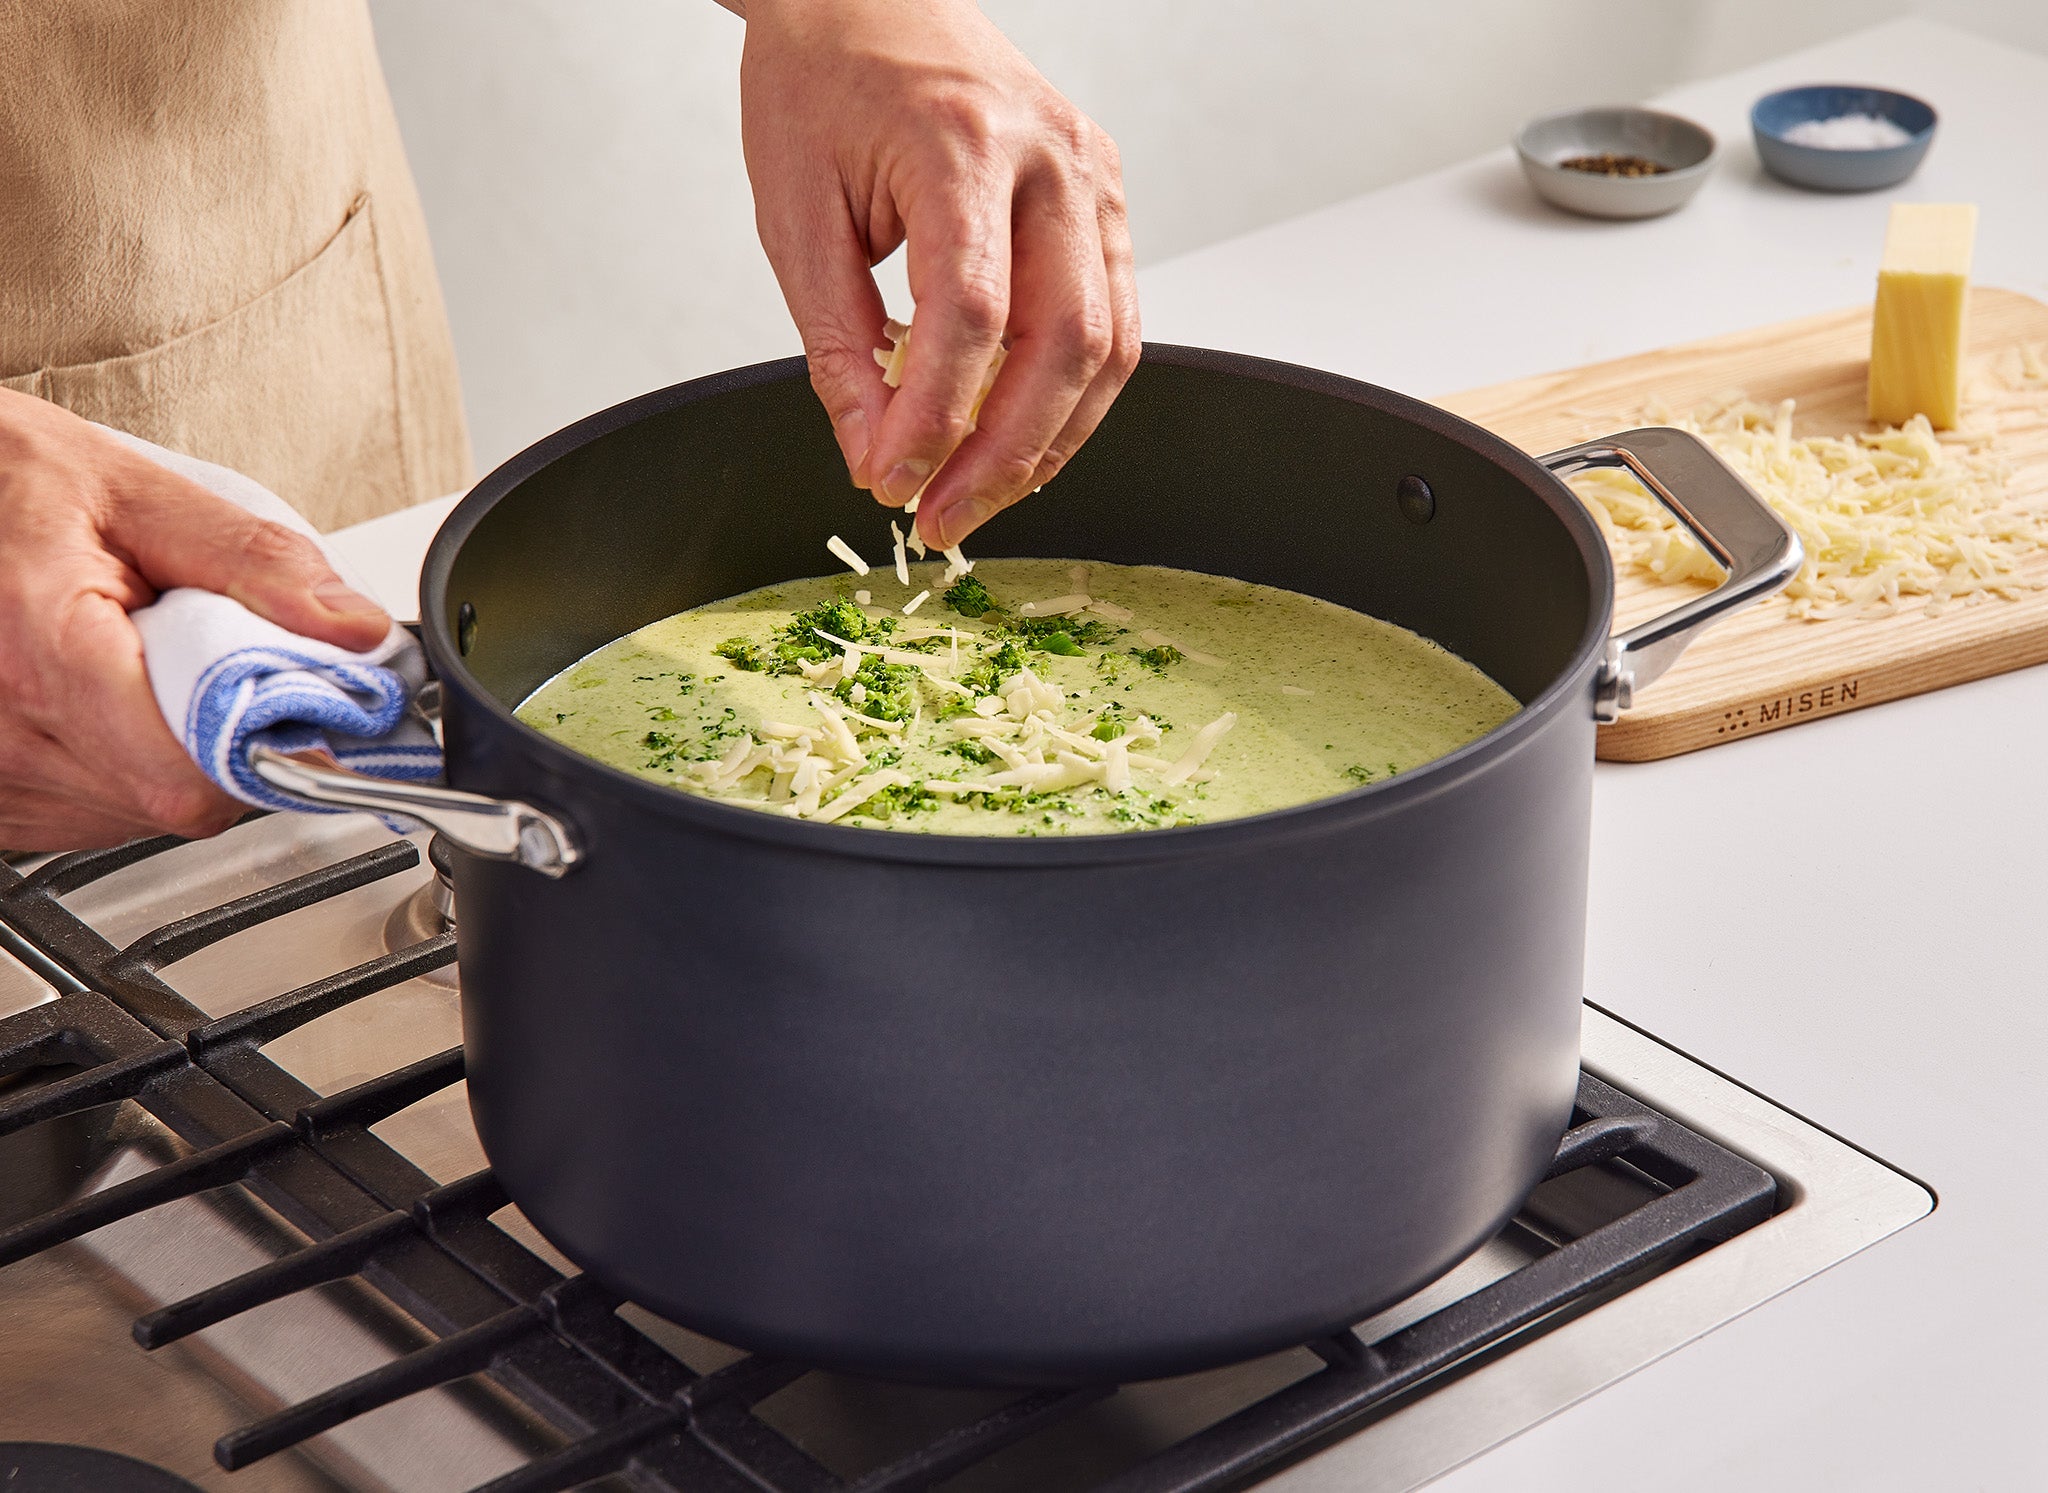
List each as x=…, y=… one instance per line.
x=209, y=237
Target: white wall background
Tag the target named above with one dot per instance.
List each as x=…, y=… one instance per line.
x=581, y=170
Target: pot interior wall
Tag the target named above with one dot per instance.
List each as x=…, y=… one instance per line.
x=1196, y=467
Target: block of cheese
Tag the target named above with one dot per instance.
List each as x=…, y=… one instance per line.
x=1923, y=292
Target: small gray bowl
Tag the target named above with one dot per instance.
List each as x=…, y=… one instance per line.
x=1822, y=170
x=1684, y=149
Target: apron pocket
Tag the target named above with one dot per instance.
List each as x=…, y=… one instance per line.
x=296, y=388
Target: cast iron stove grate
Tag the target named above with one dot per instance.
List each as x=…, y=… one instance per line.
x=620, y=1404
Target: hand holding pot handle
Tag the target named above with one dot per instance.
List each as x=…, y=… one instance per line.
x=1736, y=526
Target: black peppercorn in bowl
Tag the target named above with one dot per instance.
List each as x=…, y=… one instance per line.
x=1615, y=162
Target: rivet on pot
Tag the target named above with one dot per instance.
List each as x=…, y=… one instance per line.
x=465, y=622
x=1418, y=503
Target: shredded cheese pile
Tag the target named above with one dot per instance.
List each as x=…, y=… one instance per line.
x=820, y=770
x=1883, y=516
x=1022, y=726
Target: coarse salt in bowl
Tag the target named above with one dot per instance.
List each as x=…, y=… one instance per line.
x=1849, y=132
x=1839, y=137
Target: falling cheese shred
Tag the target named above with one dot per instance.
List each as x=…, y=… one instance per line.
x=1887, y=518
x=844, y=551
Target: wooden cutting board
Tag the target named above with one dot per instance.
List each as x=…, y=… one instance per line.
x=1762, y=669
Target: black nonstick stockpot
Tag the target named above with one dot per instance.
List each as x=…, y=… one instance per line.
x=1036, y=1111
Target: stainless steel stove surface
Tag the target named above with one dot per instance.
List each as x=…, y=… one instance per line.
x=245, y=1222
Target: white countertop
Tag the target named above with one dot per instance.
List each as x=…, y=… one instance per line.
x=1841, y=915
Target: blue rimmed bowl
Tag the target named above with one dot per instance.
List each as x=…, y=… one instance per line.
x=1822, y=169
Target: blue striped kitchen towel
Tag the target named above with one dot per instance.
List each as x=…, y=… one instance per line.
x=226, y=678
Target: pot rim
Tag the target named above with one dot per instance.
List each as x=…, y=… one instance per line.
x=1570, y=689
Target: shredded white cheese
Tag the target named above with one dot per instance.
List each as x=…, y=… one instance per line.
x=853, y=650
x=1199, y=749
x=902, y=560
x=896, y=357
x=844, y=551
x=858, y=792
x=894, y=727
x=1110, y=610
x=915, y=602
x=864, y=598
x=822, y=773
x=1024, y=692
x=957, y=565
x=1054, y=606
x=1152, y=639
x=841, y=736
x=1116, y=765
x=1884, y=516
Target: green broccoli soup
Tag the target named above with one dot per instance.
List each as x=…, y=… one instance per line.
x=1028, y=697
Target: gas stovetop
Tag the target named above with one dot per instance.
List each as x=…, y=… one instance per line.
x=247, y=1235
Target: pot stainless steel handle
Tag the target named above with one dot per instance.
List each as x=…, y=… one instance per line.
x=496, y=829
x=1739, y=529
